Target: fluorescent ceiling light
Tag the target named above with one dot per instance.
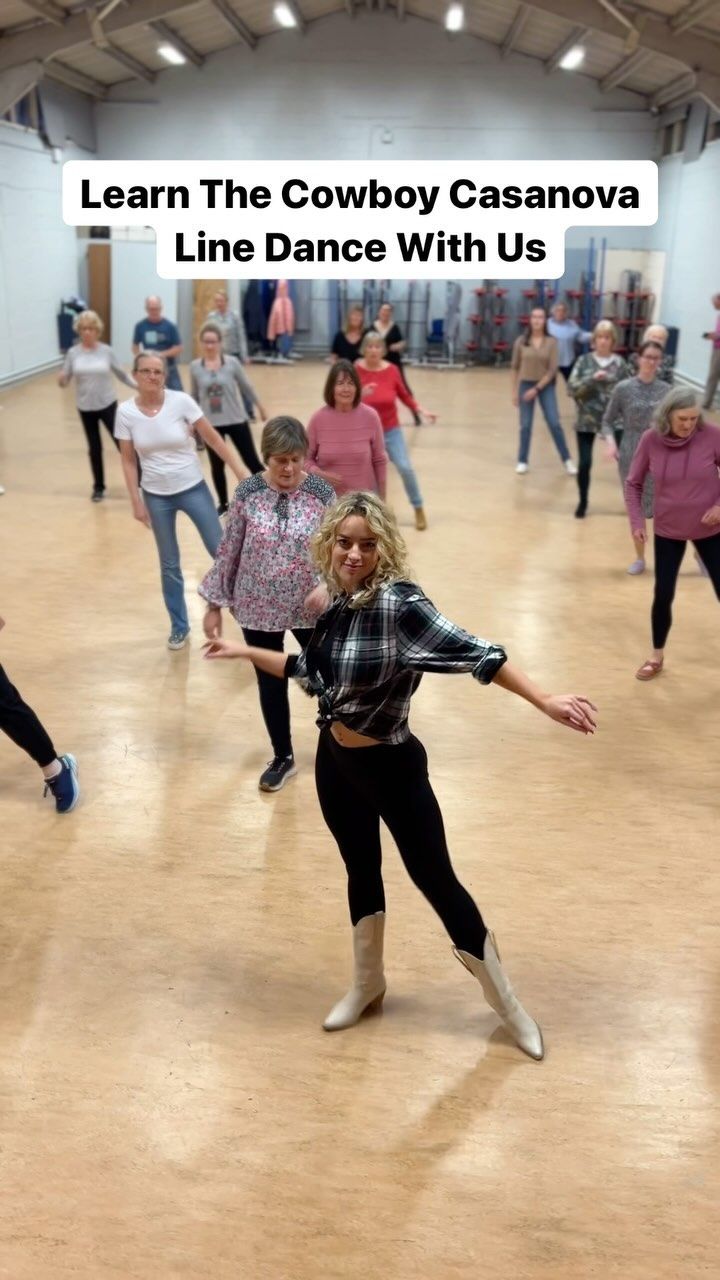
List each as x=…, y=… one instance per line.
x=171, y=54
x=573, y=58
x=284, y=15
x=455, y=17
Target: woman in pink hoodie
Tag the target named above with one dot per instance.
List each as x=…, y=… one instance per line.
x=682, y=454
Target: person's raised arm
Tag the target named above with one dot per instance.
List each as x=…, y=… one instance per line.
x=379, y=455
x=611, y=416
x=218, y=445
x=267, y=660
x=121, y=373
x=129, y=466
x=570, y=709
x=66, y=372
x=247, y=388
x=634, y=487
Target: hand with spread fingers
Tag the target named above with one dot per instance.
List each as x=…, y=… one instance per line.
x=219, y=648
x=572, y=710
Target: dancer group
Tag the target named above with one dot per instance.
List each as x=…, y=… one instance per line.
x=310, y=546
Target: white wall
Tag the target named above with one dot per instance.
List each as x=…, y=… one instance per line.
x=688, y=230
x=38, y=253
x=330, y=94
x=133, y=278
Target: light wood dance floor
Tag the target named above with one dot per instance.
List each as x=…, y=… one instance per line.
x=170, y=1105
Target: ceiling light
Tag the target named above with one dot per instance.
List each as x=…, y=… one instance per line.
x=573, y=58
x=284, y=15
x=455, y=17
x=171, y=54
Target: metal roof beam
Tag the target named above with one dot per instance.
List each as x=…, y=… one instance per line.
x=656, y=36
x=137, y=69
x=46, y=41
x=692, y=15
x=166, y=33
x=623, y=70
x=236, y=23
x=515, y=30
x=577, y=35
x=73, y=79
x=16, y=83
x=46, y=9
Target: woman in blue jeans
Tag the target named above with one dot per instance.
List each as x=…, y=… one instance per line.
x=158, y=425
x=534, y=367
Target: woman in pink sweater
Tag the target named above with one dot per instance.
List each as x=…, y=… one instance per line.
x=682, y=454
x=382, y=387
x=346, y=437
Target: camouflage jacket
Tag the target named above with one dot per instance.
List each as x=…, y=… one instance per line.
x=592, y=394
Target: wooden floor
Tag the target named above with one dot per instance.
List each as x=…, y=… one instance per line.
x=170, y=1105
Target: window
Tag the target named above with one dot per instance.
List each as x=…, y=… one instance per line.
x=26, y=113
x=673, y=138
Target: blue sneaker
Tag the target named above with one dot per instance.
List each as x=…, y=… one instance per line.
x=178, y=639
x=64, y=787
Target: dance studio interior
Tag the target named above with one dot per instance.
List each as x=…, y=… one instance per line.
x=183, y=1095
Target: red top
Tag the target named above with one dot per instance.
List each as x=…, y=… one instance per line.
x=387, y=388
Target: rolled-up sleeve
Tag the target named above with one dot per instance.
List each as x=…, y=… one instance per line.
x=428, y=641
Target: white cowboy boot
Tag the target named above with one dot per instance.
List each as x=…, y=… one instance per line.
x=501, y=997
x=368, y=988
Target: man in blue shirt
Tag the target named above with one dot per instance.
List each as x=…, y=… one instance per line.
x=568, y=334
x=161, y=337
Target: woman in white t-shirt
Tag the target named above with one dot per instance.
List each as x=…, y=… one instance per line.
x=158, y=425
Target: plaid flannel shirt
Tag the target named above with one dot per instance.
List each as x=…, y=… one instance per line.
x=377, y=655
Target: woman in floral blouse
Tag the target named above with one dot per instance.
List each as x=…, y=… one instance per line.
x=592, y=381
x=364, y=662
x=263, y=573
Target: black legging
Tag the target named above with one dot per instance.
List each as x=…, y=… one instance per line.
x=91, y=419
x=239, y=433
x=586, y=443
x=274, y=702
x=668, y=558
x=357, y=786
x=20, y=723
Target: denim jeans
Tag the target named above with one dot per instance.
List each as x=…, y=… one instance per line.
x=548, y=404
x=397, y=453
x=172, y=381
x=162, y=508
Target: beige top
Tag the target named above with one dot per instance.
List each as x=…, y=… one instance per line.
x=534, y=364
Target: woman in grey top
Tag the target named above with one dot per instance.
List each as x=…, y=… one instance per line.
x=631, y=408
x=221, y=388
x=92, y=364
x=232, y=327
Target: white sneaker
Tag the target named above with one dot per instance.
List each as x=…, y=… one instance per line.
x=570, y=467
x=521, y=468
x=2, y=488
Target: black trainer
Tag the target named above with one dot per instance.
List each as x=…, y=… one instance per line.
x=277, y=773
x=97, y=495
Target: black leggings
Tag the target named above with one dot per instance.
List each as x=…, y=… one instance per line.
x=20, y=723
x=586, y=444
x=239, y=433
x=91, y=419
x=669, y=553
x=357, y=786
x=274, y=702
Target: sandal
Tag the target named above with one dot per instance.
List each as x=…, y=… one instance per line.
x=649, y=670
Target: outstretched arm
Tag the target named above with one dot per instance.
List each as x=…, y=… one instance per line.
x=265, y=659
x=567, y=708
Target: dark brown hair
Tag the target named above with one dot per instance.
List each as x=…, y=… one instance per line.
x=528, y=331
x=342, y=366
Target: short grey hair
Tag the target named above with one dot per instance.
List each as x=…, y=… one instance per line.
x=283, y=435
x=372, y=339
x=677, y=399
x=655, y=328
x=150, y=355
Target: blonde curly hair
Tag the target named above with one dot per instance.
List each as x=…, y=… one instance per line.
x=392, y=553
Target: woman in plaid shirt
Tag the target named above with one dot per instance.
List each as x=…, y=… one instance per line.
x=364, y=661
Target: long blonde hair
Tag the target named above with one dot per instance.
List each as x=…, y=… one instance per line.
x=392, y=553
